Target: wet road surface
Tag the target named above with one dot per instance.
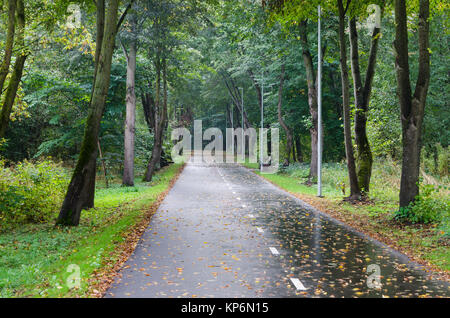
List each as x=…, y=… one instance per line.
x=222, y=231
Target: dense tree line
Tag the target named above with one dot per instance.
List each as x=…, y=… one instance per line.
x=131, y=71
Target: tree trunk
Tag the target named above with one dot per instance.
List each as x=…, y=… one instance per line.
x=364, y=157
x=105, y=172
x=236, y=98
x=164, y=161
x=157, y=146
x=280, y=119
x=10, y=95
x=294, y=153
x=80, y=189
x=229, y=118
x=165, y=122
x=100, y=24
x=148, y=105
x=298, y=148
x=354, y=189
x=312, y=99
x=16, y=76
x=335, y=91
x=257, y=88
x=160, y=123
x=128, y=163
x=155, y=158
x=412, y=107
x=4, y=68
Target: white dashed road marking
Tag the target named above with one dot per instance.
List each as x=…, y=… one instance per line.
x=274, y=251
x=298, y=284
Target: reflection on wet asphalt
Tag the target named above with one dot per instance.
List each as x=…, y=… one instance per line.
x=205, y=242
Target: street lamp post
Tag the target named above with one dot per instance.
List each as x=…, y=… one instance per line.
x=232, y=115
x=319, y=106
x=261, y=150
x=226, y=120
x=242, y=119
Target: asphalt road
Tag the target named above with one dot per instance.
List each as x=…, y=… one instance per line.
x=222, y=231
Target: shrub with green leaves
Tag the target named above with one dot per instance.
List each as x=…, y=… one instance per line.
x=436, y=161
x=31, y=192
x=427, y=207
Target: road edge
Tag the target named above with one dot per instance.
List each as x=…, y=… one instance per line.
x=101, y=281
x=412, y=261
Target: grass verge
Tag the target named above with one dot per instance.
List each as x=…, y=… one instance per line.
x=40, y=260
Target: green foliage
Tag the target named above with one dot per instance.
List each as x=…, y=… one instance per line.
x=31, y=192
x=426, y=208
x=443, y=160
x=444, y=229
x=35, y=247
x=403, y=214
x=36, y=264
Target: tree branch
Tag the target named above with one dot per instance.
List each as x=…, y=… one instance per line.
x=124, y=49
x=347, y=6
x=124, y=14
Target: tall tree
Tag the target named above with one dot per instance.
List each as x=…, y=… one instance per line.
x=88, y=200
x=166, y=19
x=235, y=94
x=129, y=134
x=19, y=64
x=298, y=148
x=148, y=105
x=258, y=87
x=81, y=191
x=362, y=93
x=351, y=167
x=160, y=116
x=412, y=107
x=287, y=130
x=9, y=43
x=312, y=97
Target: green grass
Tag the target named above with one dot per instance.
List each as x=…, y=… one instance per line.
x=293, y=185
x=294, y=180
x=423, y=242
x=35, y=258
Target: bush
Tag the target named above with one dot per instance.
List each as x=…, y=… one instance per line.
x=436, y=162
x=31, y=192
x=443, y=158
x=426, y=208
